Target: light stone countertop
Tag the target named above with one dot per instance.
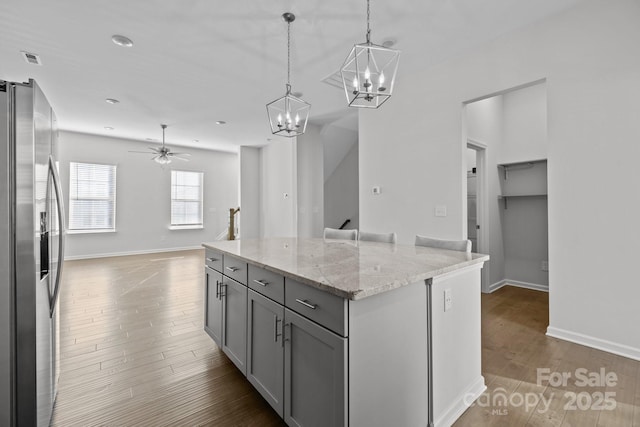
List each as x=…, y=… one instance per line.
x=349, y=269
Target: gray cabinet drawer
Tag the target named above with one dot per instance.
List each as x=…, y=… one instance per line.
x=236, y=269
x=213, y=259
x=322, y=307
x=267, y=283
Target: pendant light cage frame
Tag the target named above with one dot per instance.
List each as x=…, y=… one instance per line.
x=289, y=114
x=369, y=72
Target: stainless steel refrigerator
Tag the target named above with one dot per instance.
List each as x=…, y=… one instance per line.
x=31, y=254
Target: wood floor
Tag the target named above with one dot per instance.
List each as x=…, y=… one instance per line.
x=514, y=347
x=134, y=354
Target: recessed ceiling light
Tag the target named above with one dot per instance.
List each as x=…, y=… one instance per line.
x=111, y=101
x=196, y=140
x=221, y=122
x=108, y=128
x=390, y=42
x=122, y=40
x=151, y=139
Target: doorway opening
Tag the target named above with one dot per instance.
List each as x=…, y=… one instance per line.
x=505, y=134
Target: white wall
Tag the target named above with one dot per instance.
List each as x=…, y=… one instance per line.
x=524, y=124
x=337, y=143
x=143, y=195
x=593, y=133
x=341, y=194
x=278, y=177
x=310, y=183
x=250, y=176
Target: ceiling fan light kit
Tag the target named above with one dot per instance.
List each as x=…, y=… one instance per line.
x=164, y=155
x=288, y=115
x=369, y=72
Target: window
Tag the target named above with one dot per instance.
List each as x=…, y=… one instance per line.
x=92, y=197
x=186, y=199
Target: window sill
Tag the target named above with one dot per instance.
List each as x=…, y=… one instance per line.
x=186, y=227
x=110, y=230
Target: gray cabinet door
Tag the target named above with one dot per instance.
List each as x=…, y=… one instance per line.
x=213, y=305
x=265, y=351
x=234, y=322
x=315, y=382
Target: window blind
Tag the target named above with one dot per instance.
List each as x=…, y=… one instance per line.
x=92, y=197
x=186, y=198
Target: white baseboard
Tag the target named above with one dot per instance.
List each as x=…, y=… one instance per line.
x=519, y=284
x=593, y=342
x=461, y=404
x=495, y=286
x=141, y=252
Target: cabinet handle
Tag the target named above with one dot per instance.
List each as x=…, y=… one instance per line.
x=275, y=328
x=222, y=294
x=217, y=290
x=232, y=269
x=212, y=259
x=261, y=283
x=306, y=304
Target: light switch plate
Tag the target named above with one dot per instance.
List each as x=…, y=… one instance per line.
x=441, y=210
x=376, y=190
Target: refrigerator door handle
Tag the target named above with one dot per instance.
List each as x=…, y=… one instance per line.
x=61, y=221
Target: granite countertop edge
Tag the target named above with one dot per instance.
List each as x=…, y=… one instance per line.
x=357, y=294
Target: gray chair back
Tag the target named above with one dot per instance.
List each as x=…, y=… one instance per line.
x=377, y=237
x=452, y=245
x=334, y=233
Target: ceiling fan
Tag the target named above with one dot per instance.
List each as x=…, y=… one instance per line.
x=163, y=155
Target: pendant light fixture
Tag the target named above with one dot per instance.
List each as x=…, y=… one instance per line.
x=288, y=115
x=369, y=72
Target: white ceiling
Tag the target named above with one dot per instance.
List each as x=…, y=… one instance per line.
x=198, y=61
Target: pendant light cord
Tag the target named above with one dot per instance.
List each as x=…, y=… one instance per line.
x=288, y=57
x=368, y=19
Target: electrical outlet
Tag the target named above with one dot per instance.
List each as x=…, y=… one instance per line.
x=376, y=190
x=545, y=266
x=448, y=299
x=441, y=210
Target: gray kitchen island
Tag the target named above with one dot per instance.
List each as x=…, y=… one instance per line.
x=348, y=333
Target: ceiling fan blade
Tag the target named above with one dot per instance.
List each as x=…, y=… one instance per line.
x=171, y=153
x=180, y=158
x=141, y=152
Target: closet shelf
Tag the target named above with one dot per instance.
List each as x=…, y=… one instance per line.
x=504, y=196
x=519, y=165
x=525, y=162
x=520, y=196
